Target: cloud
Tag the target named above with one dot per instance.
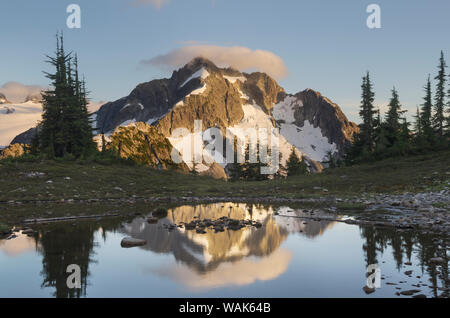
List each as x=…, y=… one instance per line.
x=17, y=92
x=156, y=3
x=239, y=273
x=241, y=58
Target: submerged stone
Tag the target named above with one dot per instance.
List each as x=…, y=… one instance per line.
x=132, y=242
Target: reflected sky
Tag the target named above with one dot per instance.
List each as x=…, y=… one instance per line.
x=286, y=257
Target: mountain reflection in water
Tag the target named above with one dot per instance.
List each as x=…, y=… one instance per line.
x=205, y=252
x=282, y=251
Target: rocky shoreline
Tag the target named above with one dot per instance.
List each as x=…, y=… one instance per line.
x=425, y=211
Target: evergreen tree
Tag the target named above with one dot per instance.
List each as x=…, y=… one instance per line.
x=448, y=112
x=425, y=117
x=439, y=99
x=235, y=169
x=65, y=128
x=331, y=160
x=367, y=112
x=295, y=166
x=417, y=124
x=393, y=123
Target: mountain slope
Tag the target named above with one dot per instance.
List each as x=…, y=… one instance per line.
x=229, y=99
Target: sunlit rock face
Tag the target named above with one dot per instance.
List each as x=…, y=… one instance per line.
x=12, y=151
x=144, y=144
x=210, y=259
x=226, y=98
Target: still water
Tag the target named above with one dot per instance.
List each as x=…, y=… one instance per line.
x=286, y=257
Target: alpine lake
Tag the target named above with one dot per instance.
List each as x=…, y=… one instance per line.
x=222, y=250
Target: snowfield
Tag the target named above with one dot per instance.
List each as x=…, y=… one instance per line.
x=308, y=139
x=23, y=117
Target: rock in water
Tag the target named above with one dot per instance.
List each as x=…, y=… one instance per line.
x=368, y=290
x=409, y=292
x=437, y=260
x=132, y=242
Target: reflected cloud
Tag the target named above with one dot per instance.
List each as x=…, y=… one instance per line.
x=22, y=244
x=243, y=272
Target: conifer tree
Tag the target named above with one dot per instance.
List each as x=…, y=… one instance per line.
x=393, y=123
x=425, y=117
x=439, y=99
x=417, y=123
x=65, y=128
x=295, y=166
x=367, y=113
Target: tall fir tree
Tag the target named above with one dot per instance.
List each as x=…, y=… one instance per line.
x=394, y=123
x=425, y=117
x=65, y=128
x=367, y=112
x=448, y=111
x=439, y=121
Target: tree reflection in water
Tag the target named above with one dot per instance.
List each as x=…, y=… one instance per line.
x=62, y=244
x=406, y=245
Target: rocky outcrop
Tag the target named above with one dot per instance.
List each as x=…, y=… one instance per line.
x=144, y=144
x=13, y=151
x=25, y=137
x=3, y=99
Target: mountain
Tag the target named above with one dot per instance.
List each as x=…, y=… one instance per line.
x=226, y=98
x=3, y=99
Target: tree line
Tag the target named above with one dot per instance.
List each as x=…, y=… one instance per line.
x=391, y=135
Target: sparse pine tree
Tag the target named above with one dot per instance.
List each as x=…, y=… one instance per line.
x=367, y=112
x=425, y=118
x=439, y=99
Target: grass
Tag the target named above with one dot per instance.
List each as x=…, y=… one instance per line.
x=4, y=229
x=58, y=180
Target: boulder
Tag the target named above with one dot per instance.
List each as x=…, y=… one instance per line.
x=132, y=242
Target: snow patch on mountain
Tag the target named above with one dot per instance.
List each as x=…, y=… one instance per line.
x=202, y=73
x=129, y=104
x=308, y=139
x=255, y=118
x=233, y=79
x=285, y=110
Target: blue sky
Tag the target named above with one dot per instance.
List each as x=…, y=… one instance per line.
x=325, y=44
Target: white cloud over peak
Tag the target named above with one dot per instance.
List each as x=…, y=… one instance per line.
x=241, y=58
